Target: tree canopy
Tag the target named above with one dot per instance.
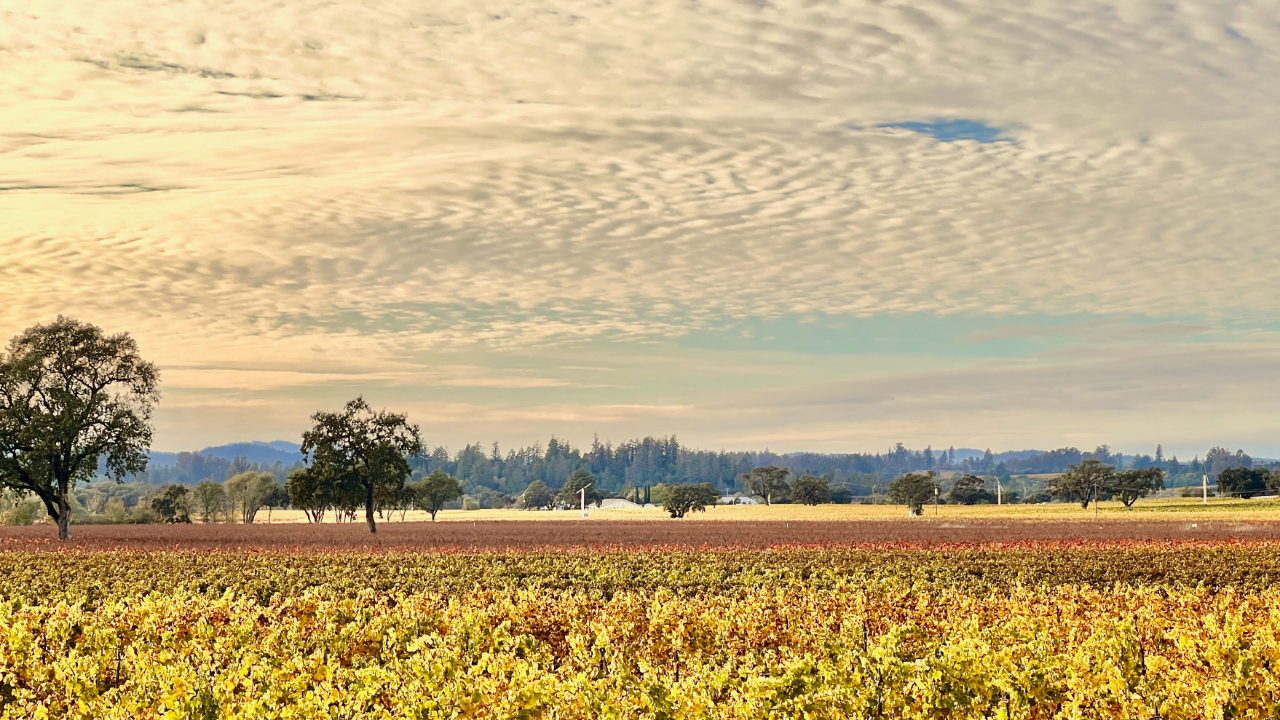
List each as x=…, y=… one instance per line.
x=538, y=496
x=681, y=500
x=1246, y=482
x=914, y=490
x=768, y=482
x=810, y=490
x=361, y=448
x=435, y=490
x=1130, y=485
x=970, y=490
x=1083, y=482
x=171, y=504
x=72, y=401
x=571, y=493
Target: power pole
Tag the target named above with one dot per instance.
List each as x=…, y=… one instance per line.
x=935, y=501
x=1204, y=487
x=583, y=493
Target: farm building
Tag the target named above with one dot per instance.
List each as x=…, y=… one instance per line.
x=617, y=504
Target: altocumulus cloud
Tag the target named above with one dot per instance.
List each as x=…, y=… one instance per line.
x=372, y=187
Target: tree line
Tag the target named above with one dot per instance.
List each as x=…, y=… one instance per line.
x=76, y=405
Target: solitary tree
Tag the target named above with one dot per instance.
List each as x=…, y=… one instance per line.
x=538, y=496
x=359, y=447
x=171, y=504
x=970, y=490
x=1082, y=483
x=811, y=490
x=913, y=490
x=767, y=482
x=571, y=493
x=435, y=490
x=683, y=499
x=210, y=499
x=1133, y=484
x=70, y=399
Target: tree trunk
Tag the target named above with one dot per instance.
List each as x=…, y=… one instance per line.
x=64, y=509
x=368, y=510
x=64, y=518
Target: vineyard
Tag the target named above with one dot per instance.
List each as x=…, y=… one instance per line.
x=1017, y=630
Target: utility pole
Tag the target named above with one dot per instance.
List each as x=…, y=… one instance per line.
x=1204, y=488
x=999, y=494
x=935, y=501
x=583, y=493
x=1095, y=499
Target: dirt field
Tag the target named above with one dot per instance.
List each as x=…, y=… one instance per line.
x=624, y=534
x=1177, y=509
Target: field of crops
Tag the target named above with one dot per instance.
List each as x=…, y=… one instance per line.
x=1032, y=629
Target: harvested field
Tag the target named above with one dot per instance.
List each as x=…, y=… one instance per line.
x=625, y=534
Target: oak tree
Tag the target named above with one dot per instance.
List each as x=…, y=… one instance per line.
x=767, y=482
x=810, y=490
x=435, y=490
x=914, y=490
x=362, y=449
x=72, y=400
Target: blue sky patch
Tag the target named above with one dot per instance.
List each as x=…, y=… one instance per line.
x=953, y=130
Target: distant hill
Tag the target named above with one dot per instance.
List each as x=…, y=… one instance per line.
x=263, y=453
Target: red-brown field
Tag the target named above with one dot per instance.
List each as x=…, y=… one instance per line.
x=622, y=534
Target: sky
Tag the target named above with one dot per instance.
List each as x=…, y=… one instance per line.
x=801, y=225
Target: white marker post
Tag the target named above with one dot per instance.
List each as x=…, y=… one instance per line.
x=583, y=493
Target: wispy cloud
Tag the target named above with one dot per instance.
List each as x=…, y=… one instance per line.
x=377, y=187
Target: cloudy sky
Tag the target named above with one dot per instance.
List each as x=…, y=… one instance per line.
x=827, y=225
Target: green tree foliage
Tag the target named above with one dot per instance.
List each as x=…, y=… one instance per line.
x=841, y=495
x=1130, y=485
x=249, y=492
x=913, y=490
x=314, y=492
x=970, y=490
x=1219, y=459
x=1083, y=482
x=1245, y=482
x=538, y=496
x=435, y=490
x=362, y=448
x=768, y=482
x=681, y=500
x=276, y=497
x=570, y=494
x=210, y=500
x=810, y=490
x=172, y=504
x=70, y=399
